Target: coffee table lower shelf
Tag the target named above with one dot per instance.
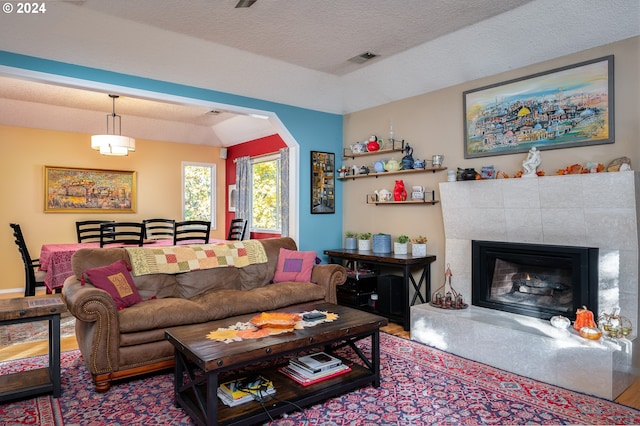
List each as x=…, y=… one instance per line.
x=288, y=393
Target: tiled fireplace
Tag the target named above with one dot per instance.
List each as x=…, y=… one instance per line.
x=597, y=211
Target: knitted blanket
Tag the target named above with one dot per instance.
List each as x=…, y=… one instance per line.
x=177, y=259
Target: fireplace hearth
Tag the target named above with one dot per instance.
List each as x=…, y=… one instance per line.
x=537, y=280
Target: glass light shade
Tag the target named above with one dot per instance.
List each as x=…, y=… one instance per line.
x=113, y=144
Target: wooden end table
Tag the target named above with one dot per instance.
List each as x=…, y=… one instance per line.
x=40, y=380
x=200, y=361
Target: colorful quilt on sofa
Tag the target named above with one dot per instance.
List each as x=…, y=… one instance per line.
x=178, y=259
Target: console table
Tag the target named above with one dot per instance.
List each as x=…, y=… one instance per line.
x=39, y=380
x=406, y=263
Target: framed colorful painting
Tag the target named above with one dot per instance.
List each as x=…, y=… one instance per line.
x=565, y=107
x=73, y=190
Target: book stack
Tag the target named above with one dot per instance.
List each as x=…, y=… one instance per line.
x=314, y=368
x=239, y=391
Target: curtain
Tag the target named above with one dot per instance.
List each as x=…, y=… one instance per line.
x=243, y=191
x=284, y=191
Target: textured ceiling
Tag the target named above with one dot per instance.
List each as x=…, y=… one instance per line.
x=292, y=52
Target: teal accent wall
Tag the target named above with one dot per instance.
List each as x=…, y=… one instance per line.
x=313, y=130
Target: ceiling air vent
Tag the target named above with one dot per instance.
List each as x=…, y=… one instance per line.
x=245, y=3
x=363, y=57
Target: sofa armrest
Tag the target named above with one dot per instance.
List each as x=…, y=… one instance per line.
x=329, y=276
x=97, y=324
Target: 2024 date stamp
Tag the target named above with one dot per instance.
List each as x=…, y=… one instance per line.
x=26, y=8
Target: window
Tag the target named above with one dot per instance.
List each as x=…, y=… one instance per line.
x=199, y=192
x=265, y=194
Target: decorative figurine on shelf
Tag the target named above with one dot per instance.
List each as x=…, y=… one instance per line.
x=407, y=160
x=531, y=163
x=446, y=296
x=399, y=191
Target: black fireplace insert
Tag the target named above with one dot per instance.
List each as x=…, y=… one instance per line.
x=536, y=280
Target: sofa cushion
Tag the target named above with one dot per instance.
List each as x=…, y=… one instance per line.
x=116, y=280
x=294, y=265
x=191, y=284
x=160, y=314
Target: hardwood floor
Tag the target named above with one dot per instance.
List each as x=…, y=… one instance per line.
x=630, y=397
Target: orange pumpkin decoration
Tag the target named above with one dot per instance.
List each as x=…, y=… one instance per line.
x=584, y=318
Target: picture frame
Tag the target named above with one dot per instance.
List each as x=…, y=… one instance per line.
x=80, y=190
x=323, y=182
x=232, y=196
x=571, y=106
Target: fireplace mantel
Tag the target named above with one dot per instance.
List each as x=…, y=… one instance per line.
x=591, y=210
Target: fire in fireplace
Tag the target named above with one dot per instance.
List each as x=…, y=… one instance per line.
x=536, y=280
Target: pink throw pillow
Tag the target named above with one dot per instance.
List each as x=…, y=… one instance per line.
x=116, y=280
x=294, y=265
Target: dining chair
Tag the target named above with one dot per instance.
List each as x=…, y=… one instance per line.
x=193, y=231
x=122, y=233
x=158, y=229
x=237, y=228
x=89, y=230
x=33, y=277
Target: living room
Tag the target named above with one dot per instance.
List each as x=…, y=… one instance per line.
x=430, y=120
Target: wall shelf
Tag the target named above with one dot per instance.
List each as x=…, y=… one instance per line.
x=397, y=146
x=394, y=172
x=372, y=199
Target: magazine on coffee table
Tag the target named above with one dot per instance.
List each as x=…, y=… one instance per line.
x=316, y=363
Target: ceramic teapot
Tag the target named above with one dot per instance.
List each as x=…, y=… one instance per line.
x=357, y=148
x=373, y=144
x=378, y=166
x=364, y=170
x=407, y=160
x=393, y=165
x=418, y=164
x=384, y=195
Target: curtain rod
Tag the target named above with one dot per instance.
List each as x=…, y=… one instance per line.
x=268, y=154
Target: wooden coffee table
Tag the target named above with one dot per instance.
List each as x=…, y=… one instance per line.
x=200, y=361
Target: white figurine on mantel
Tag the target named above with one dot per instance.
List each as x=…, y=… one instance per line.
x=531, y=163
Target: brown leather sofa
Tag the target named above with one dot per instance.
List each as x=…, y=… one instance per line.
x=117, y=344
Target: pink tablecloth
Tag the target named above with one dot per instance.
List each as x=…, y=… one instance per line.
x=55, y=259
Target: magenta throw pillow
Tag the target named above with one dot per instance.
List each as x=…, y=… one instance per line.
x=116, y=280
x=294, y=266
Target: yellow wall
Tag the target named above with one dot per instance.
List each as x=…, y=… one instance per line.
x=433, y=124
x=27, y=151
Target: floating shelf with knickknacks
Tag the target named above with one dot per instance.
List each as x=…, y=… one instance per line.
x=377, y=146
x=417, y=196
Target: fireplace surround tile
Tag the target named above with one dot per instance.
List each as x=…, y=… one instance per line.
x=595, y=210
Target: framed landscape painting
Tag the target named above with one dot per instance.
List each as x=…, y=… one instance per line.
x=561, y=108
x=73, y=190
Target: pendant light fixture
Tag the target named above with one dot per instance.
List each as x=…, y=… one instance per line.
x=112, y=143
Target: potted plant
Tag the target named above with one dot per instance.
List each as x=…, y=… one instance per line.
x=364, y=241
x=381, y=243
x=350, y=240
x=419, y=246
x=400, y=245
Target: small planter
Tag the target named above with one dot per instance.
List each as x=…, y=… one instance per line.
x=364, y=245
x=418, y=250
x=382, y=243
x=351, y=243
x=400, y=248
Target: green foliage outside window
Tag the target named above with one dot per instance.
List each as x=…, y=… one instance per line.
x=197, y=193
x=266, y=195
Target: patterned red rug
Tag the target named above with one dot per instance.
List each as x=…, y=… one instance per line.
x=420, y=385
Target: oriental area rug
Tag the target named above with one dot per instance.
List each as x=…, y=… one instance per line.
x=420, y=386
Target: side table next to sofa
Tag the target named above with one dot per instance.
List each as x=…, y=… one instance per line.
x=40, y=380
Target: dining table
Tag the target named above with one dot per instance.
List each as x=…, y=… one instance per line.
x=55, y=259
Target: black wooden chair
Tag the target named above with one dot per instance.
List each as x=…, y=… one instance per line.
x=191, y=232
x=237, y=229
x=89, y=230
x=122, y=233
x=33, y=277
x=158, y=229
